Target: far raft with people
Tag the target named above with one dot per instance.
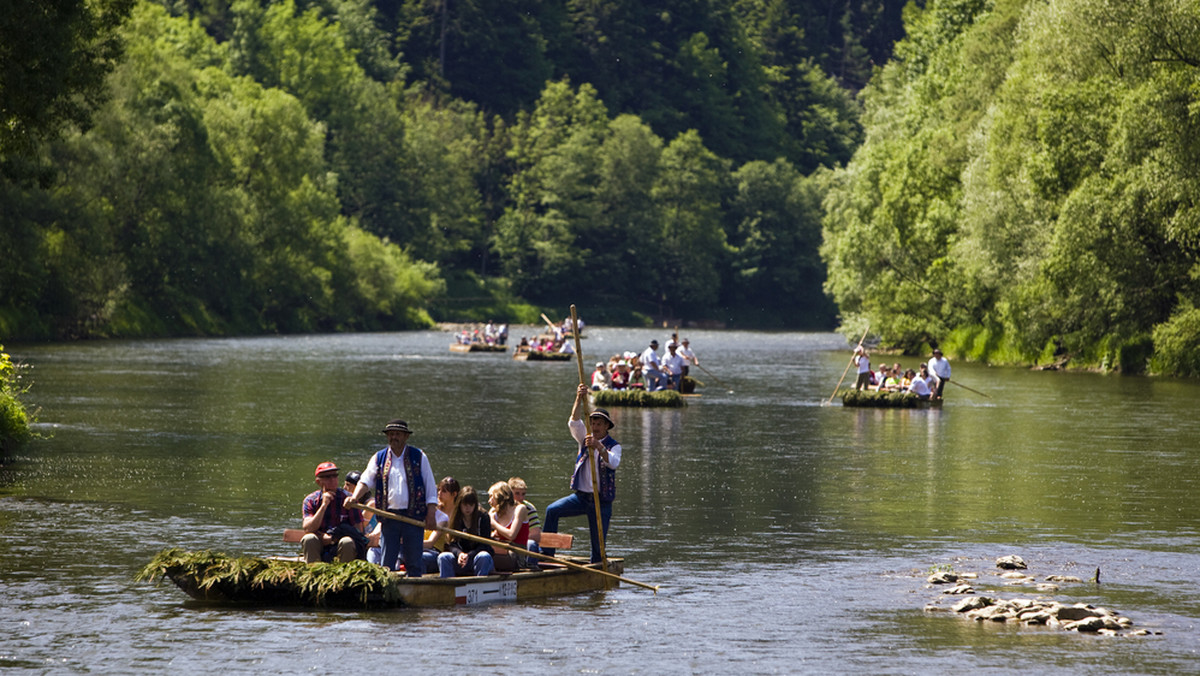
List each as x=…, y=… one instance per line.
x=895, y=386
x=616, y=381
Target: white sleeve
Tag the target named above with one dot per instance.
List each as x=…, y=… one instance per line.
x=614, y=456
x=427, y=475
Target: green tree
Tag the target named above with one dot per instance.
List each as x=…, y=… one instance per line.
x=775, y=225
x=54, y=55
x=689, y=193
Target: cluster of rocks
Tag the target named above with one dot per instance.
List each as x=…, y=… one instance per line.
x=1030, y=611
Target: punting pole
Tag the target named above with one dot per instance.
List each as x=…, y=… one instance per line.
x=587, y=424
x=860, y=342
x=504, y=545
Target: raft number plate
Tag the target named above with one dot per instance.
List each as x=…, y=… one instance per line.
x=486, y=592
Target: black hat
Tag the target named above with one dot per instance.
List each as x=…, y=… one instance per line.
x=601, y=413
x=654, y=343
x=396, y=425
x=352, y=477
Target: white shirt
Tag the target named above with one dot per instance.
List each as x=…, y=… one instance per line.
x=649, y=360
x=863, y=361
x=686, y=353
x=940, y=367
x=397, y=481
x=674, y=363
x=579, y=431
x=919, y=387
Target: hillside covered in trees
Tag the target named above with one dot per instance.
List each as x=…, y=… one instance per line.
x=212, y=167
x=1015, y=180
x=1028, y=186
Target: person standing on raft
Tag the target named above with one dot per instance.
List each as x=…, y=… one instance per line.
x=579, y=503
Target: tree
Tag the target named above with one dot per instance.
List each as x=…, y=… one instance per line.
x=54, y=55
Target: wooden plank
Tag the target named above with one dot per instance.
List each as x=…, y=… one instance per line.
x=556, y=540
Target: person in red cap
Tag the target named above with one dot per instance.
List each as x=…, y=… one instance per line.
x=327, y=521
x=592, y=440
x=403, y=482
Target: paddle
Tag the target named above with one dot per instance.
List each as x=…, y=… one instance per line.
x=860, y=342
x=587, y=422
x=503, y=545
x=548, y=322
x=955, y=382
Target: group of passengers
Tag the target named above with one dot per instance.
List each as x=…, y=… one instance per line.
x=355, y=533
x=558, y=340
x=926, y=383
x=490, y=334
x=647, y=370
x=449, y=531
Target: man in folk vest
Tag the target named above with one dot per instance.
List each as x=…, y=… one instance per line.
x=595, y=441
x=403, y=483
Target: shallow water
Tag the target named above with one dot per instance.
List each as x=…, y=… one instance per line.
x=788, y=536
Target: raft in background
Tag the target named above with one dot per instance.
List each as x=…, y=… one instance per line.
x=873, y=399
x=638, y=397
x=535, y=355
x=476, y=347
x=258, y=581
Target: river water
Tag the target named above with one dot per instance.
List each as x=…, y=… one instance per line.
x=788, y=535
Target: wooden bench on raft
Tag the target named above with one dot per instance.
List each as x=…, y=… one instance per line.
x=555, y=540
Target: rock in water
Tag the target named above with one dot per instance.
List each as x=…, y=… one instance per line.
x=1011, y=562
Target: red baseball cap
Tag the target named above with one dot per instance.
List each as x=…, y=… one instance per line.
x=325, y=467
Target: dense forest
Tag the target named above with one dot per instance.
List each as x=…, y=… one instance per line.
x=194, y=167
x=1028, y=186
x=1014, y=180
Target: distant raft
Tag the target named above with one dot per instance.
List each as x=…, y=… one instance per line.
x=537, y=355
x=476, y=347
x=873, y=399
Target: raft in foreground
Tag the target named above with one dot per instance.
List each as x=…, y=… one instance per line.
x=257, y=581
x=873, y=399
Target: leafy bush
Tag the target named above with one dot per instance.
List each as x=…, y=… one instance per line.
x=14, y=418
x=1177, y=344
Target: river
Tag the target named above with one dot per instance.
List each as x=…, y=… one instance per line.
x=788, y=536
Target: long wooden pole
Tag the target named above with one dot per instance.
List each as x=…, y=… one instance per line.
x=587, y=428
x=860, y=341
x=955, y=382
x=504, y=545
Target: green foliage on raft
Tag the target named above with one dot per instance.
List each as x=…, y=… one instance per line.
x=660, y=399
x=871, y=399
x=253, y=578
x=15, y=419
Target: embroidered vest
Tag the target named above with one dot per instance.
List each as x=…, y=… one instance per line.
x=412, y=473
x=608, y=475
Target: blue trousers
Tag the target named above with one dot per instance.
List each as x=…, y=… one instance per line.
x=398, y=538
x=578, y=504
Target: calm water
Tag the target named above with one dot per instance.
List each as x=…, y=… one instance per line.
x=787, y=536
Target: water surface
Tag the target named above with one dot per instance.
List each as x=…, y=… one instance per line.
x=788, y=535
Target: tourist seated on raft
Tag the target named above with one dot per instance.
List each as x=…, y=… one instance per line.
x=510, y=523
x=464, y=556
x=620, y=378
x=918, y=386
x=600, y=377
x=330, y=530
x=435, y=540
x=520, y=492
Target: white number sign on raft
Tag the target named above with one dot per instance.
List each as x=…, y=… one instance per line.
x=486, y=592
